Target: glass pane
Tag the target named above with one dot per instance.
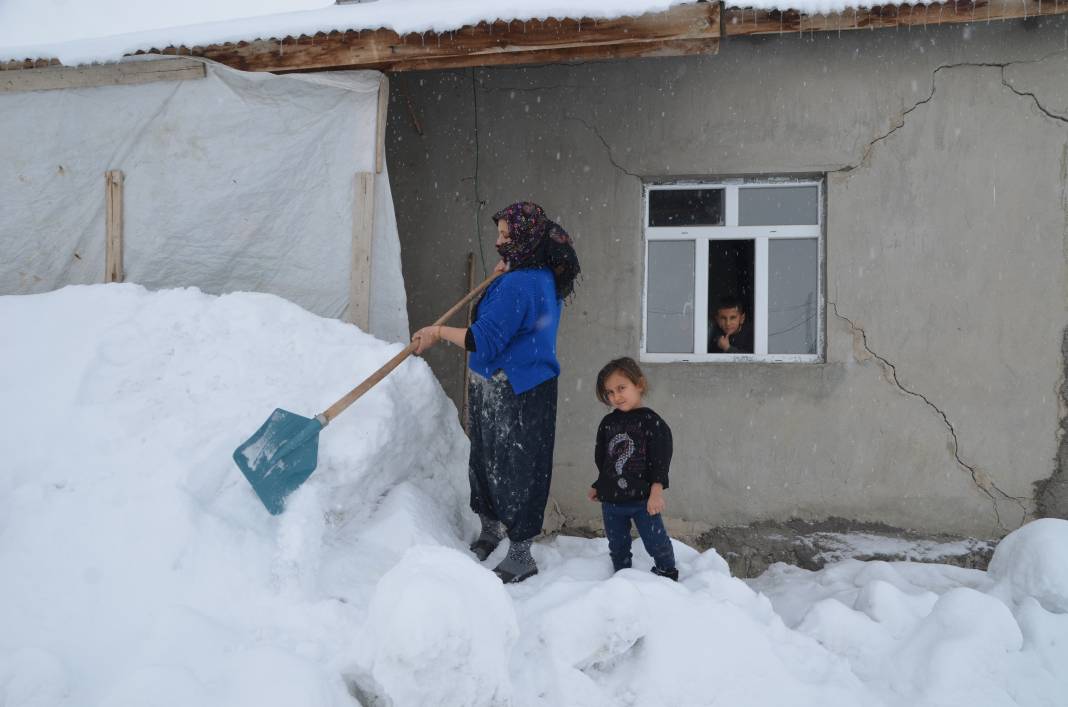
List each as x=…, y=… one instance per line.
x=686, y=207
x=730, y=296
x=778, y=206
x=669, y=300
x=793, y=304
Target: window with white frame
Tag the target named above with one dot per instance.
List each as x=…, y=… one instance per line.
x=733, y=271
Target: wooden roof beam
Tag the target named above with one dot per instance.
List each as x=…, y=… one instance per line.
x=682, y=30
x=685, y=29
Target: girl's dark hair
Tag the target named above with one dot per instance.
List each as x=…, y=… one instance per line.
x=630, y=370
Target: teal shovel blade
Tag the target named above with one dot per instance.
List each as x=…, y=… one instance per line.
x=280, y=456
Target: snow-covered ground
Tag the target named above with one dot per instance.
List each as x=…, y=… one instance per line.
x=139, y=569
x=836, y=546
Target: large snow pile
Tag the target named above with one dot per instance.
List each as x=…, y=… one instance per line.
x=1032, y=563
x=139, y=569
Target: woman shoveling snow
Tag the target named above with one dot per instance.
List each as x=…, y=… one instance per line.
x=513, y=389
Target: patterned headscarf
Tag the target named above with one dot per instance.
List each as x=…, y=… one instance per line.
x=538, y=242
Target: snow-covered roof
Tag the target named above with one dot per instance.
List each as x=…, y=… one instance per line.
x=105, y=30
x=93, y=31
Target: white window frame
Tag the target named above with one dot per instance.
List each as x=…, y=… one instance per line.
x=730, y=230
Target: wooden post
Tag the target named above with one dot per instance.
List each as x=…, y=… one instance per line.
x=113, y=180
x=363, y=223
x=380, y=124
x=464, y=417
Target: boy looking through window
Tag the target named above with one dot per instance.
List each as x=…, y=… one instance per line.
x=727, y=333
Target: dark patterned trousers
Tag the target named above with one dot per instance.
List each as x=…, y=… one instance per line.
x=511, y=464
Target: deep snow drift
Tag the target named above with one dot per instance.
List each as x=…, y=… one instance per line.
x=140, y=569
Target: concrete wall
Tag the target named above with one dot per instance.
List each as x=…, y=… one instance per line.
x=946, y=152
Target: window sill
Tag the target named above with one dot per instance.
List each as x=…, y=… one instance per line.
x=729, y=358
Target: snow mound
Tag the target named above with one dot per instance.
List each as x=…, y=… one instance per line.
x=925, y=634
x=1032, y=561
x=957, y=655
x=441, y=617
x=141, y=562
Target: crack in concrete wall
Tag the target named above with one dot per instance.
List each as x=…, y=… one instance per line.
x=982, y=481
x=1051, y=495
x=1032, y=96
x=593, y=129
x=870, y=147
x=934, y=86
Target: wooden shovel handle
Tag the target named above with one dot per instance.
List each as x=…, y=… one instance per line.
x=354, y=394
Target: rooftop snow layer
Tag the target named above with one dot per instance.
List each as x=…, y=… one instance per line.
x=105, y=30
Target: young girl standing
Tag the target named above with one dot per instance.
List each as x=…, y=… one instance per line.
x=633, y=454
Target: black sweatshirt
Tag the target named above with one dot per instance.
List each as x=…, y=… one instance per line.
x=633, y=452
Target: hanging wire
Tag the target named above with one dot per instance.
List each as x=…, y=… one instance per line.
x=479, y=204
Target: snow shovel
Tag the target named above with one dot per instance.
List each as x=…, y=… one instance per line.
x=284, y=451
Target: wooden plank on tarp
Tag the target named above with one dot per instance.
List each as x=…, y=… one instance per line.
x=363, y=223
x=113, y=184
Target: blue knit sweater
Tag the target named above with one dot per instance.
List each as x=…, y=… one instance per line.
x=516, y=329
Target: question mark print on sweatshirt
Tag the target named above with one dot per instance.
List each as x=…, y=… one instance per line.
x=621, y=440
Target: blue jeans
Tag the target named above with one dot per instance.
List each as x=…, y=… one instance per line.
x=617, y=519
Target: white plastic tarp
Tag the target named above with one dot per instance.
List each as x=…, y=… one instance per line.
x=238, y=181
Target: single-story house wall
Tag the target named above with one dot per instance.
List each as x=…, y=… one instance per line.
x=907, y=276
